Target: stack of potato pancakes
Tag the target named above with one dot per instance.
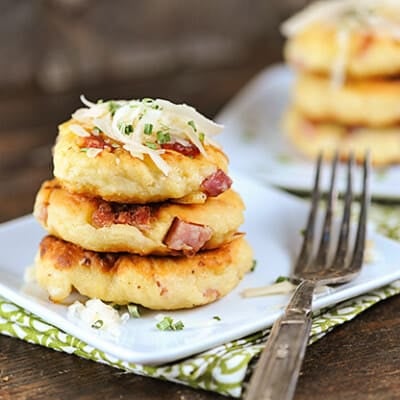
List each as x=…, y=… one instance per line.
x=347, y=92
x=140, y=210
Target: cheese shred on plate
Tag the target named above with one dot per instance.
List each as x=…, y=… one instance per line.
x=98, y=315
x=144, y=126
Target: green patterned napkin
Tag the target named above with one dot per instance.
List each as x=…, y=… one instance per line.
x=221, y=369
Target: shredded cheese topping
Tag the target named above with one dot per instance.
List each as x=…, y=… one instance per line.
x=143, y=126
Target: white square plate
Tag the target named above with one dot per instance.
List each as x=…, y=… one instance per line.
x=256, y=144
x=273, y=223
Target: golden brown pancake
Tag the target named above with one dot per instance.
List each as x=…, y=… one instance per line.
x=162, y=283
x=115, y=175
x=372, y=103
x=310, y=137
x=98, y=225
x=316, y=49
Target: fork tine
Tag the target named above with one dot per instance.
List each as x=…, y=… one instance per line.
x=342, y=245
x=322, y=254
x=308, y=237
x=359, y=245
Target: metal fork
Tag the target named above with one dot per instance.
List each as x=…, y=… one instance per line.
x=279, y=365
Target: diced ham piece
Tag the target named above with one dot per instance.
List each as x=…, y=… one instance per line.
x=216, y=183
x=189, y=150
x=107, y=214
x=187, y=237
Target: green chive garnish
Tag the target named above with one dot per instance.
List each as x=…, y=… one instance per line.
x=168, y=324
x=98, y=324
x=201, y=137
x=128, y=129
x=113, y=107
x=148, y=129
x=163, y=137
x=133, y=310
x=280, y=279
x=151, y=145
x=191, y=123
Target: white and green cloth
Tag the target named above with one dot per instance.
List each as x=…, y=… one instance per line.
x=222, y=369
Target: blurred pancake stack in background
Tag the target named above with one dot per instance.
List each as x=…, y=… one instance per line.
x=140, y=210
x=347, y=91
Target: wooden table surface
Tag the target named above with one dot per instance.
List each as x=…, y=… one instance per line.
x=359, y=360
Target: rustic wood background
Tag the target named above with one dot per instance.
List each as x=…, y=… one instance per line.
x=196, y=51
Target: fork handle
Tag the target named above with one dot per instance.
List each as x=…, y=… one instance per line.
x=278, y=368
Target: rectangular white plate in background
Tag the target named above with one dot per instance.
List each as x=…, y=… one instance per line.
x=256, y=144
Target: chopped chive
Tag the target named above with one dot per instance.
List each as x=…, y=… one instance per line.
x=151, y=145
x=98, y=324
x=113, y=107
x=201, y=137
x=96, y=130
x=165, y=324
x=192, y=124
x=133, y=310
x=253, y=266
x=84, y=149
x=178, y=326
x=168, y=324
x=147, y=100
x=217, y=318
x=148, y=129
x=163, y=137
x=128, y=129
x=280, y=279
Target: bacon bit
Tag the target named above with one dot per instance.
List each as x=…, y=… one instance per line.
x=108, y=214
x=189, y=150
x=216, y=183
x=163, y=290
x=353, y=129
x=365, y=43
x=213, y=293
x=103, y=216
x=43, y=213
x=298, y=64
x=92, y=142
x=309, y=128
x=108, y=260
